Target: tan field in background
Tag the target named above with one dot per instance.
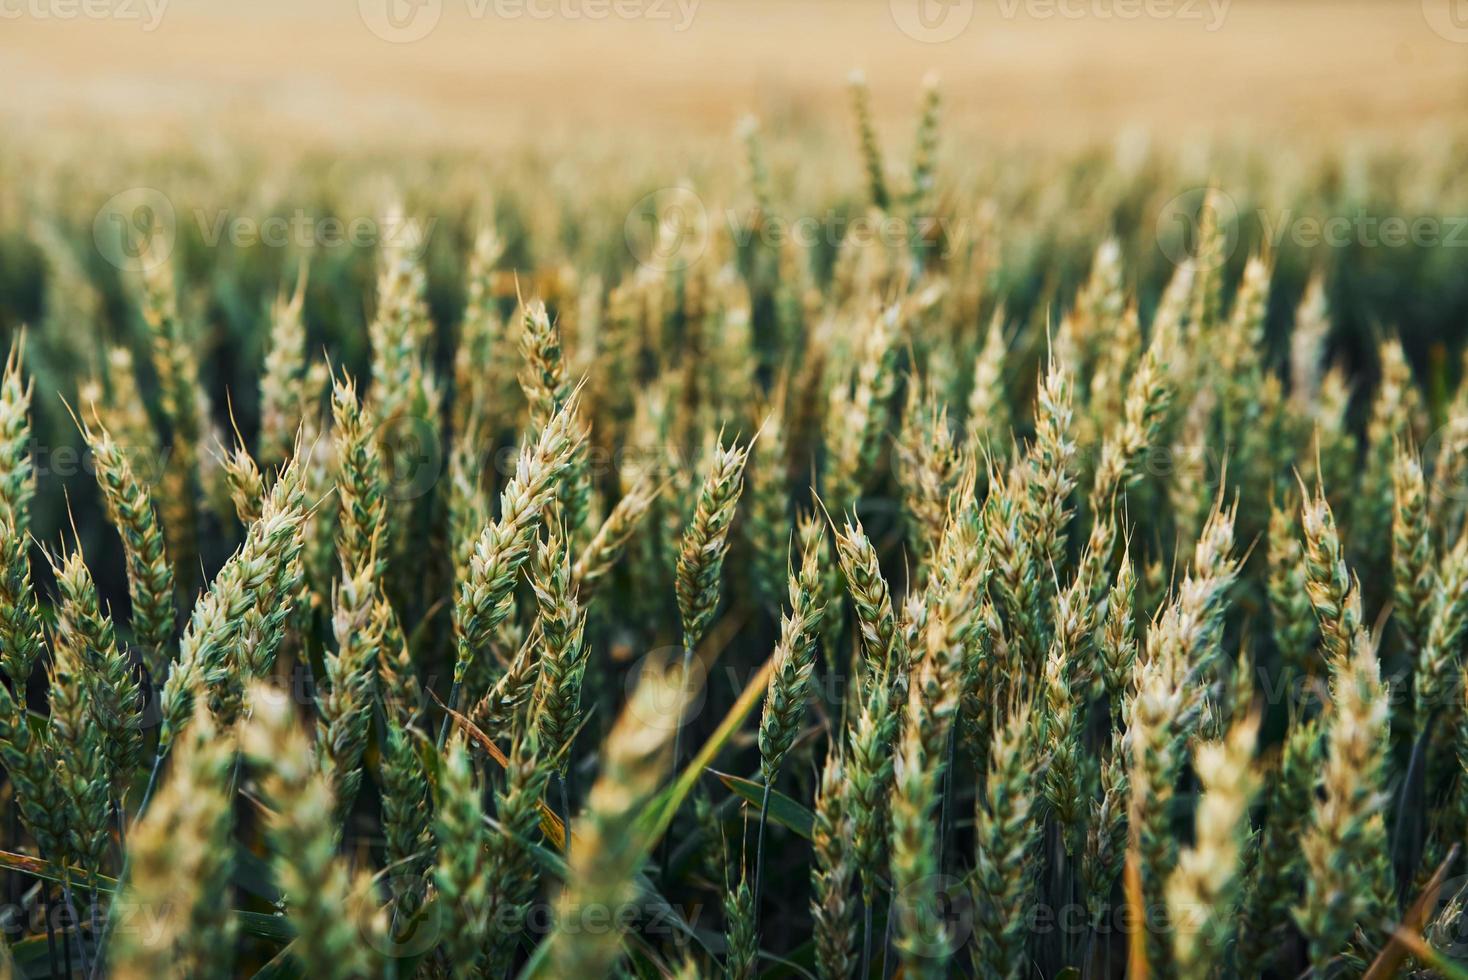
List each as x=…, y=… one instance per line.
x=488, y=71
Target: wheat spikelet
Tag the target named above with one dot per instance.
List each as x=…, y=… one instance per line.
x=20, y=616
x=1006, y=835
x=284, y=387
x=513, y=689
x=1212, y=242
x=1414, y=562
x=920, y=937
x=547, y=389
x=795, y=658
x=1185, y=637
x=462, y=874
x=987, y=419
x=611, y=539
x=833, y=873
x=1106, y=837
x=468, y=504
x=1148, y=398
x=610, y=851
x=481, y=383
x=17, y=472
x=861, y=101
x=1291, y=615
x=406, y=806
x=1447, y=613
x=108, y=687
x=1238, y=342
x=768, y=525
x=543, y=371
x=705, y=542
x=1278, y=872
x=246, y=598
x=741, y=943
x=925, y=147
x=181, y=861
x=329, y=905
x=344, y=706
x=149, y=574
x=929, y=469
x=484, y=595
x=361, y=495
x=1333, y=591
x=1153, y=740
x=561, y=620
x=245, y=482
x=184, y=406
x=1201, y=891
x=869, y=594
x=398, y=327
x=1116, y=645
x=1307, y=343
x=75, y=732
x=1063, y=778
x=511, y=868
x=1051, y=459
x=1392, y=418
x=857, y=413
x=1338, y=839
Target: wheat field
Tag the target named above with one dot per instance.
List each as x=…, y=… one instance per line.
x=760, y=491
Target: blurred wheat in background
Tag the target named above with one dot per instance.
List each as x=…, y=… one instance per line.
x=562, y=489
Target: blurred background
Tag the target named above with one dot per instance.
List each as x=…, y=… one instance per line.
x=487, y=72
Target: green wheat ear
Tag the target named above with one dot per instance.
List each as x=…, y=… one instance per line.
x=833, y=873
x=610, y=848
x=329, y=903
x=17, y=472
x=181, y=860
x=706, y=542
x=129, y=507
